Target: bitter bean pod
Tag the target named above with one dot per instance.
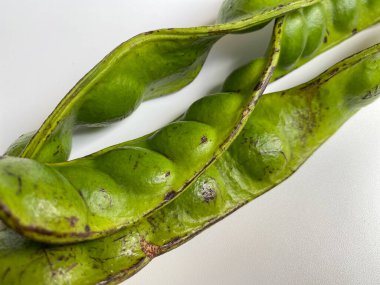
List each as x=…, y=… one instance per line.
x=307, y=32
x=99, y=194
x=145, y=67
x=283, y=131
x=98, y=187
x=113, y=89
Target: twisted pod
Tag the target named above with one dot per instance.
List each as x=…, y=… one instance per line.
x=166, y=60
x=94, y=198
x=307, y=32
x=113, y=89
x=90, y=197
x=283, y=131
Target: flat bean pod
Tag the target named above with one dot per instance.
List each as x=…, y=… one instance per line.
x=166, y=60
x=283, y=131
x=90, y=197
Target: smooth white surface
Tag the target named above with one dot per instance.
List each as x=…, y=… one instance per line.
x=321, y=226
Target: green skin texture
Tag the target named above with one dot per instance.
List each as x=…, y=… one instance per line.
x=90, y=197
x=282, y=132
x=171, y=58
x=97, y=200
x=309, y=31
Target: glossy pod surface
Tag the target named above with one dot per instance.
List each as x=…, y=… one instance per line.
x=171, y=58
x=175, y=56
x=307, y=32
x=114, y=188
x=283, y=131
x=93, y=196
x=326, y=24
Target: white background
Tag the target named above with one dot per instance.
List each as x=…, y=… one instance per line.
x=321, y=226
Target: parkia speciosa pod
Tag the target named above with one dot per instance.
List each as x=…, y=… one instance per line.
x=328, y=29
x=307, y=32
x=104, y=192
x=147, y=66
x=266, y=152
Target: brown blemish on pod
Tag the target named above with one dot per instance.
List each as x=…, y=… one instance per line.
x=62, y=257
x=151, y=250
x=204, y=139
x=208, y=193
x=72, y=220
x=372, y=93
x=170, y=195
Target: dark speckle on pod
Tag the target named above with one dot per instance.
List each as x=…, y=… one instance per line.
x=206, y=190
x=104, y=199
x=204, y=139
x=372, y=93
x=170, y=195
x=72, y=220
x=61, y=257
x=149, y=167
x=150, y=250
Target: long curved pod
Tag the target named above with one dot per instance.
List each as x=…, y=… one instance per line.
x=147, y=66
x=247, y=170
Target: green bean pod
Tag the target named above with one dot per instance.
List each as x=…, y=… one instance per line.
x=282, y=132
x=307, y=32
x=93, y=213
x=166, y=60
x=97, y=194
x=327, y=23
x=101, y=193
